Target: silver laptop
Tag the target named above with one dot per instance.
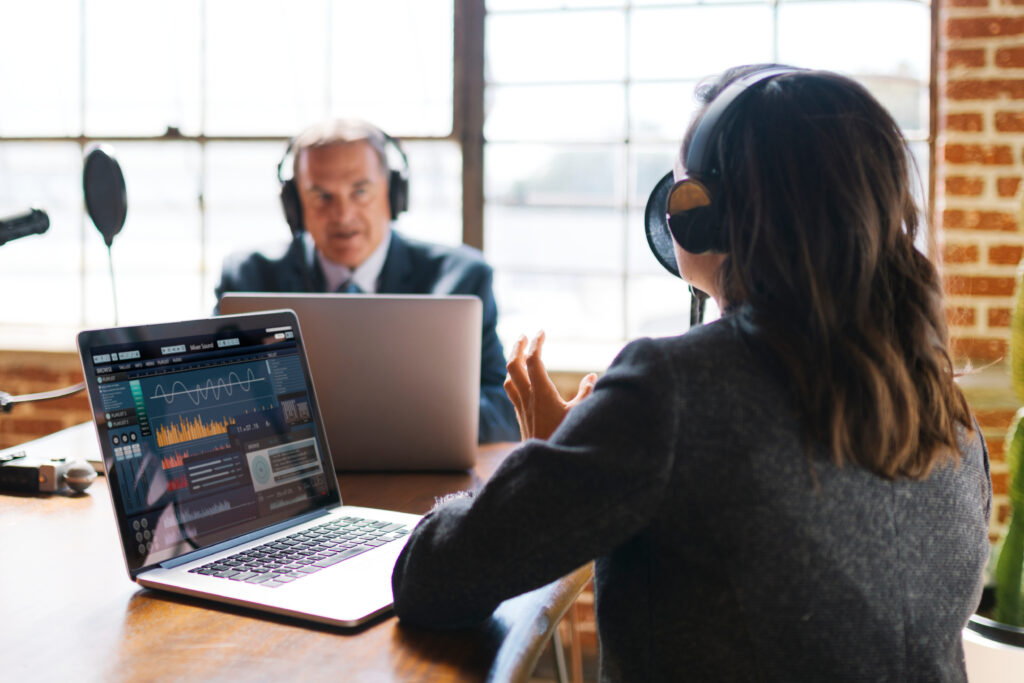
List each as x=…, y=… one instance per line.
x=220, y=476
x=398, y=376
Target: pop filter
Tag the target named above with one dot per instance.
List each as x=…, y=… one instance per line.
x=105, y=197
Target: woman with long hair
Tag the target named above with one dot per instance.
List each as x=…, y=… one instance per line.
x=795, y=491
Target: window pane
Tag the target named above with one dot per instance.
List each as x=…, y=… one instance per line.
x=156, y=256
x=242, y=202
x=39, y=68
x=41, y=272
x=661, y=111
x=435, y=193
x=658, y=306
x=649, y=165
x=556, y=113
x=906, y=100
x=569, y=240
x=830, y=35
x=521, y=174
x=139, y=80
x=546, y=47
x=499, y=5
x=688, y=42
x=266, y=66
x=391, y=63
x=569, y=308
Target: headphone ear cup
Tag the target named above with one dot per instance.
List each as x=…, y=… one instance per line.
x=696, y=230
x=398, y=193
x=291, y=206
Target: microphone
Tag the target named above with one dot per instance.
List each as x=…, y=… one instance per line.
x=31, y=222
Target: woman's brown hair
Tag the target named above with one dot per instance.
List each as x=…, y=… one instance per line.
x=813, y=191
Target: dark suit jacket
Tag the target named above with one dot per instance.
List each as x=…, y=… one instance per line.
x=411, y=267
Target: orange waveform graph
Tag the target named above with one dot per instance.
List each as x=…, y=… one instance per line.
x=190, y=430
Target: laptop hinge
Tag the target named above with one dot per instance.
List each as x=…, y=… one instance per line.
x=241, y=540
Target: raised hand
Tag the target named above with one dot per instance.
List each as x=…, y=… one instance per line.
x=539, y=406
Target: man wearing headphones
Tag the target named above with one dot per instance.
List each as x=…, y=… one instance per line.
x=340, y=200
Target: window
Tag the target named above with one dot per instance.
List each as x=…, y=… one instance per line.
x=587, y=102
x=197, y=98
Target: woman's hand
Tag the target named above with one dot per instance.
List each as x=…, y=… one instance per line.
x=539, y=407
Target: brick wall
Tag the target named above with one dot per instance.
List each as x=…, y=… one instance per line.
x=27, y=372
x=980, y=164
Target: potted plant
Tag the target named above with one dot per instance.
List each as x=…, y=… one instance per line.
x=1003, y=620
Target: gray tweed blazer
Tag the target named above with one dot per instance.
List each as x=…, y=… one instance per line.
x=723, y=551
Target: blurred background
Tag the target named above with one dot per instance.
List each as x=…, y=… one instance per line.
x=535, y=130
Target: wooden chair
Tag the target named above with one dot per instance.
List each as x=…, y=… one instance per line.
x=526, y=624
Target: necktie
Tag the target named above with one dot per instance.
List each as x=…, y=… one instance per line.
x=349, y=287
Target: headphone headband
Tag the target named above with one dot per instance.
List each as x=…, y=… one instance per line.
x=695, y=229
x=698, y=156
x=398, y=176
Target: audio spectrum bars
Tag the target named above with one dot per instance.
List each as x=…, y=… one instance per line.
x=190, y=430
x=169, y=462
x=179, y=482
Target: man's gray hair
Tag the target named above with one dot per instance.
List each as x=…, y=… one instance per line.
x=340, y=131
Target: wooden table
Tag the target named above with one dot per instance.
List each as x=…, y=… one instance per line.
x=69, y=612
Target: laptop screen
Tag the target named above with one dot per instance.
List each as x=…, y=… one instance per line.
x=209, y=430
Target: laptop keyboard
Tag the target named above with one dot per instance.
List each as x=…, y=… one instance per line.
x=289, y=558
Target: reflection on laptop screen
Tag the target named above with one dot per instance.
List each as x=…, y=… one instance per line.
x=206, y=437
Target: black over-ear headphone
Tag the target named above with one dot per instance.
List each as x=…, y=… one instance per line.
x=686, y=208
x=398, y=180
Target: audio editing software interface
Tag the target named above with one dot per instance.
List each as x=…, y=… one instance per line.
x=211, y=437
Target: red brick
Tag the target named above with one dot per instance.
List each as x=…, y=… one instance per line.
x=985, y=89
x=999, y=317
x=34, y=425
x=967, y=3
x=960, y=253
x=953, y=219
x=969, y=123
x=31, y=373
x=996, y=449
x=1009, y=121
x=957, y=58
x=1010, y=57
x=960, y=316
x=982, y=27
x=979, y=349
x=1005, y=255
x=963, y=186
x=979, y=285
x=979, y=154
x=999, y=483
x=995, y=419
x=1007, y=187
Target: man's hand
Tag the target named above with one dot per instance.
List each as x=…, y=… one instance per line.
x=539, y=407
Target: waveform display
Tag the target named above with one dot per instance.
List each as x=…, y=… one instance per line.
x=278, y=504
x=190, y=430
x=185, y=516
x=177, y=483
x=205, y=389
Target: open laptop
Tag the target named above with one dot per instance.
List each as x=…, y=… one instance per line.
x=220, y=476
x=398, y=376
